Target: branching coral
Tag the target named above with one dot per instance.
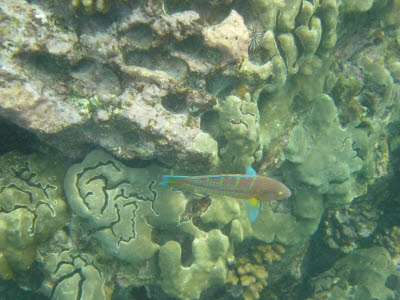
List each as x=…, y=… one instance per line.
x=247, y=279
x=248, y=275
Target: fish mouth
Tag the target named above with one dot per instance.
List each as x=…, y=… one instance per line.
x=287, y=192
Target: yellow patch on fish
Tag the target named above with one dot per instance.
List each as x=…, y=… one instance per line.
x=253, y=201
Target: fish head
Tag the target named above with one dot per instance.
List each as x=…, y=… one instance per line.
x=280, y=191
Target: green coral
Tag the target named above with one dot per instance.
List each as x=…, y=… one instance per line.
x=32, y=207
x=239, y=124
x=295, y=31
x=208, y=267
x=319, y=154
x=326, y=160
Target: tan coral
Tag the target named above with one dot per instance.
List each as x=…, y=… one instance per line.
x=271, y=252
x=252, y=277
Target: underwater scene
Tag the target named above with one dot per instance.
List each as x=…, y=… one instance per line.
x=200, y=149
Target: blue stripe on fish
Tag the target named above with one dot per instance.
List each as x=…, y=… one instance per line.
x=164, y=180
x=223, y=175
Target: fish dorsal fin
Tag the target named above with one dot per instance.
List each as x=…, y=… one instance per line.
x=253, y=207
x=250, y=171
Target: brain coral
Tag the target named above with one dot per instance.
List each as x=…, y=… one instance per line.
x=116, y=201
x=32, y=207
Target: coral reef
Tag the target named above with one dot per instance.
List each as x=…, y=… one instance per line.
x=308, y=93
x=86, y=86
x=239, y=126
x=362, y=273
x=132, y=218
x=32, y=208
x=390, y=239
x=92, y=73
x=257, y=268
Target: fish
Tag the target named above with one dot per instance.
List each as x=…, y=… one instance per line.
x=250, y=186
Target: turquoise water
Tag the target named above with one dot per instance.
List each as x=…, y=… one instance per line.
x=100, y=99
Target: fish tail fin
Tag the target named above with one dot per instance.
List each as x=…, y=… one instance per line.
x=253, y=207
x=168, y=180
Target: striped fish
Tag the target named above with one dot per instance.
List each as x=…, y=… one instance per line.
x=250, y=186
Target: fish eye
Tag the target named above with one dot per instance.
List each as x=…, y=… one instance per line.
x=280, y=193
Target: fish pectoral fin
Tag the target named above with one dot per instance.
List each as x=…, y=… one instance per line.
x=253, y=207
